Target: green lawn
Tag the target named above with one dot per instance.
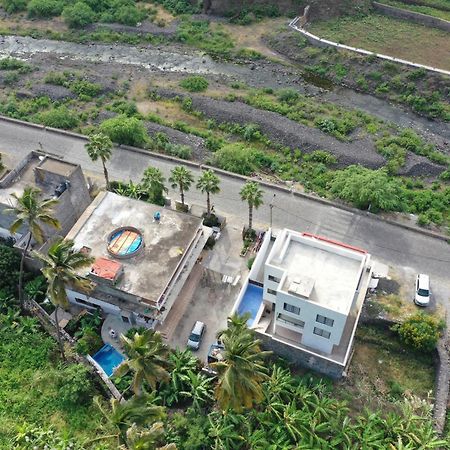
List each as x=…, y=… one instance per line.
x=30, y=378
x=389, y=36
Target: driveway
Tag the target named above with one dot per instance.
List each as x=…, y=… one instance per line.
x=205, y=296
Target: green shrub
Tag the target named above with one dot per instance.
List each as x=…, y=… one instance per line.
x=125, y=130
x=421, y=332
x=366, y=188
x=289, y=96
x=13, y=6
x=60, y=117
x=45, y=8
x=75, y=385
x=78, y=15
x=89, y=343
x=11, y=78
x=56, y=78
x=15, y=64
x=194, y=83
x=321, y=156
x=86, y=89
x=9, y=269
x=180, y=6
x=124, y=107
x=250, y=262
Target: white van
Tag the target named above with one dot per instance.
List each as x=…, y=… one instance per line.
x=422, y=290
x=195, y=338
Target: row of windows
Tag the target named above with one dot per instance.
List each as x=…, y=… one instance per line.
x=291, y=308
x=320, y=319
x=290, y=321
x=323, y=333
x=272, y=278
x=324, y=320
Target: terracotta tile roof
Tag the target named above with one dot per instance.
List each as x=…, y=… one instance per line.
x=106, y=268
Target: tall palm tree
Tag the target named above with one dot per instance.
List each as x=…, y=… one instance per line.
x=33, y=212
x=100, y=147
x=61, y=264
x=242, y=370
x=147, y=359
x=153, y=182
x=120, y=416
x=181, y=178
x=209, y=183
x=253, y=194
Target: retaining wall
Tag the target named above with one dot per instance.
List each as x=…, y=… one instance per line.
x=300, y=358
x=423, y=19
x=319, y=42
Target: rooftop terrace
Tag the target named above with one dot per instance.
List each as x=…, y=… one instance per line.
x=146, y=274
x=321, y=271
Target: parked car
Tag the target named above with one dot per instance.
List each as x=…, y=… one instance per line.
x=195, y=338
x=422, y=290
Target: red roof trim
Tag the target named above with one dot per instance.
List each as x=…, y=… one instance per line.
x=332, y=241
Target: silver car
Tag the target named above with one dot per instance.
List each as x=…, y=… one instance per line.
x=195, y=338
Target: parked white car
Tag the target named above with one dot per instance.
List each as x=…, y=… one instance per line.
x=422, y=290
x=195, y=338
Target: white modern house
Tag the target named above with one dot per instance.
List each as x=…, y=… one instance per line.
x=305, y=294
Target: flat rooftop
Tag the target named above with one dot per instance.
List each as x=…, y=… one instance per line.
x=323, y=272
x=146, y=274
x=57, y=166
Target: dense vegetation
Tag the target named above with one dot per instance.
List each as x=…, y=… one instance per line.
x=82, y=12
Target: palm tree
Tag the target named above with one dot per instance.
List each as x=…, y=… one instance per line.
x=181, y=178
x=153, y=183
x=120, y=416
x=209, y=183
x=252, y=193
x=242, y=370
x=147, y=359
x=100, y=147
x=61, y=264
x=33, y=212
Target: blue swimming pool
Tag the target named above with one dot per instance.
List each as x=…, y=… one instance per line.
x=251, y=302
x=108, y=358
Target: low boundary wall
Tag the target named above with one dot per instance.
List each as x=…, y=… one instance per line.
x=319, y=42
x=406, y=14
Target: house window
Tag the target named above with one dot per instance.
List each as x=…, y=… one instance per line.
x=271, y=291
x=324, y=320
x=84, y=302
x=289, y=321
x=291, y=308
x=323, y=333
x=272, y=278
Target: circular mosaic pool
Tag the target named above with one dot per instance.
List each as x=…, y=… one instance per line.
x=125, y=242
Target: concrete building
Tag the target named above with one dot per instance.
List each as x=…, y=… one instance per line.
x=143, y=255
x=305, y=295
x=55, y=178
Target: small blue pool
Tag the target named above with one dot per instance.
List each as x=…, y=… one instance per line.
x=251, y=302
x=108, y=358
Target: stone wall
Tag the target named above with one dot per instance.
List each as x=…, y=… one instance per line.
x=300, y=358
x=412, y=16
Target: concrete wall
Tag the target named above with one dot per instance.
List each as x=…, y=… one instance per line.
x=106, y=307
x=308, y=314
x=412, y=16
x=300, y=358
x=11, y=176
x=319, y=42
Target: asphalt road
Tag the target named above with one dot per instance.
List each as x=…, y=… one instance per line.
x=387, y=243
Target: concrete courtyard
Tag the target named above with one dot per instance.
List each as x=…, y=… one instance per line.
x=205, y=296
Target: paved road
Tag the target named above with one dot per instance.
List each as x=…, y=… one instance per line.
x=388, y=243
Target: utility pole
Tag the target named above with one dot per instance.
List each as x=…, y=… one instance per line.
x=271, y=208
